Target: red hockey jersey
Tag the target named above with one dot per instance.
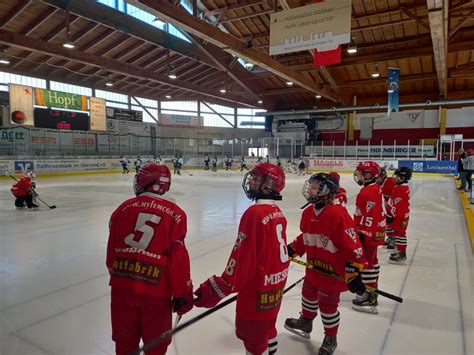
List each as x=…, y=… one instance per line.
x=399, y=204
x=258, y=265
x=22, y=187
x=341, y=197
x=146, y=252
x=369, y=216
x=387, y=188
x=329, y=239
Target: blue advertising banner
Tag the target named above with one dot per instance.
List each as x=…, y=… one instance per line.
x=393, y=89
x=430, y=166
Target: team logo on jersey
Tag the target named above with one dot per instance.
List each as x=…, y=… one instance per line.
x=240, y=237
x=369, y=205
x=352, y=234
x=358, y=252
x=397, y=200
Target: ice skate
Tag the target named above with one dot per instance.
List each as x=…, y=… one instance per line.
x=398, y=258
x=328, y=346
x=388, y=241
x=301, y=326
x=392, y=245
x=367, y=303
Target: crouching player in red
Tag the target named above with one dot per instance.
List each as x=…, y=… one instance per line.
x=258, y=265
x=148, y=263
x=23, y=191
x=330, y=242
x=399, y=214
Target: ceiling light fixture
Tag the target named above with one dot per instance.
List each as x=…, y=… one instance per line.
x=352, y=50
x=318, y=96
x=158, y=22
x=168, y=96
x=260, y=102
x=172, y=76
x=375, y=75
x=289, y=83
x=109, y=84
x=4, y=59
x=69, y=44
x=223, y=91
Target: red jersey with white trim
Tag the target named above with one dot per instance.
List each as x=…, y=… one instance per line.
x=22, y=187
x=329, y=239
x=369, y=216
x=258, y=265
x=146, y=252
x=341, y=197
x=399, y=202
x=387, y=188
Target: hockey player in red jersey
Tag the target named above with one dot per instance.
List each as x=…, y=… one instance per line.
x=370, y=225
x=387, y=183
x=330, y=242
x=23, y=191
x=148, y=263
x=399, y=213
x=258, y=265
x=341, y=196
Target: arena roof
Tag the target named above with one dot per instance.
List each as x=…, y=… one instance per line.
x=431, y=41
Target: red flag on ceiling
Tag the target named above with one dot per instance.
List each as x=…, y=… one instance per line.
x=330, y=57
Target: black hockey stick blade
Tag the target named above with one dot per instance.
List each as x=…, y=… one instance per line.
x=187, y=172
x=180, y=327
x=388, y=295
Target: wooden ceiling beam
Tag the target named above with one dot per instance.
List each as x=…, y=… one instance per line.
x=40, y=19
x=415, y=18
x=239, y=5
x=438, y=17
x=107, y=16
x=460, y=24
x=229, y=43
x=96, y=40
x=14, y=12
x=249, y=15
x=59, y=28
x=33, y=44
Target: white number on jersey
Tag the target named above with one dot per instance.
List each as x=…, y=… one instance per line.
x=283, y=249
x=143, y=233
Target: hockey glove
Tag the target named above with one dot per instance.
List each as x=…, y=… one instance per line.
x=353, y=279
x=211, y=292
x=184, y=304
x=291, y=251
x=389, y=218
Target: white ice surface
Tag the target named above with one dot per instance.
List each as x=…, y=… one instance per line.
x=54, y=293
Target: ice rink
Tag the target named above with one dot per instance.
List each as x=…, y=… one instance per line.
x=54, y=293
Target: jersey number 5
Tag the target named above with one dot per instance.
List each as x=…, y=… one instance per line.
x=143, y=233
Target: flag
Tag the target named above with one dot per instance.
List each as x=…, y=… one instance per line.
x=329, y=57
x=393, y=89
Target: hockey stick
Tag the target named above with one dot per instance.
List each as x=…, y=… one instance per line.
x=172, y=332
x=187, y=172
x=36, y=195
x=338, y=277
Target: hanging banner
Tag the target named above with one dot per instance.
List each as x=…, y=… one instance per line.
x=393, y=89
x=330, y=57
x=124, y=114
x=324, y=26
x=21, y=105
x=98, y=114
x=59, y=99
x=181, y=121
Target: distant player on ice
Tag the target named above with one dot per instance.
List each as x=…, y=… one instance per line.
x=24, y=193
x=124, y=161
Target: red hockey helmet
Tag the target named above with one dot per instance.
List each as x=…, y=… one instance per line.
x=152, y=177
x=366, y=171
x=335, y=175
x=265, y=180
